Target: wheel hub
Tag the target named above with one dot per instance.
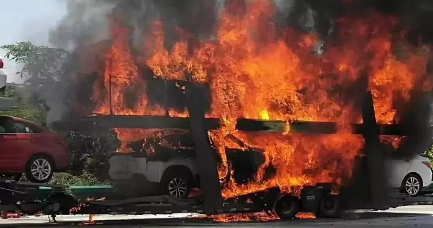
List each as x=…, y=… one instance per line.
x=287, y=207
x=329, y=204
x=412, y=186
x=177, y=187
x=40, y=169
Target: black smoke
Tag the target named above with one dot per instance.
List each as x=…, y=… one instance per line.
x=417, y=17
x=414, y=16
x=87, y=21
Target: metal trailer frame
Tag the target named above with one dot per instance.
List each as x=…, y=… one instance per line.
x=311, y=200
x=21, y=196
x=169, y=205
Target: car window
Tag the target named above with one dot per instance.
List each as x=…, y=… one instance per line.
x=21, y=127
x=7, y=125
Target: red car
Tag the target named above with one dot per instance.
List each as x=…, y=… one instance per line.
x=26, y=147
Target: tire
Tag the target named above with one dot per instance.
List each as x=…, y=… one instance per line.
x=412, y=185
x=176, y=182
x=39, y=169
x=329, y=207
x=287, y=207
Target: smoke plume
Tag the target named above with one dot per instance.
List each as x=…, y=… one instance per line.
x=86, y=23
x=414, y=15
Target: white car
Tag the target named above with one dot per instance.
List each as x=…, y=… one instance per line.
x=134, y=174
x=410, y=175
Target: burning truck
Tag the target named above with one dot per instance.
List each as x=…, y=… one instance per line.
x=317, y=115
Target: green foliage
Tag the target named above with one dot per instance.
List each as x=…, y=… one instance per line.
x=26, y=105
x=90, y=154
x=71, y=180
x=41, y=65
x=429, y=153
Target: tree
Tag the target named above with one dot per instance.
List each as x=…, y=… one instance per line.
x=429, y=153
x=26, y=105
x=91, y=153
x=41, y=65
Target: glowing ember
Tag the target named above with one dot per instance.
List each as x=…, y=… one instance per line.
x=392, y=140
x=91, y=218
x=260, y=216
x=305, y=215
x=255, y=217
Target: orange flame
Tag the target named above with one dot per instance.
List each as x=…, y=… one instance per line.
x=257, y=72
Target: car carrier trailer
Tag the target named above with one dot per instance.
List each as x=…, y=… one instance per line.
x=318, y=199
x=23, y=197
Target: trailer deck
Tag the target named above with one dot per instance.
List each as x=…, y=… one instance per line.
x=18, y=196
x=103, y=123
x=21, y=196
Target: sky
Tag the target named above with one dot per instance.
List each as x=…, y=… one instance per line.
x=27, y=20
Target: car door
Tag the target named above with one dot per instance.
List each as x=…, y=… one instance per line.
x=6, y=147
x=396, y=170
x=14, y=148
x=4, y=153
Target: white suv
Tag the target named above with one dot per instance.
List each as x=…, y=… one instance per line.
x=137, y=174
x=173, y=171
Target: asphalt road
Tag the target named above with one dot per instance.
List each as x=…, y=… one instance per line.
x=419, y=216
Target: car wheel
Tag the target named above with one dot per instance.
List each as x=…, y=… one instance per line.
x=287, y=207
x=412, y=185
x=329, y=207
x=176, y=183
x=39, y=169
x=14, y=177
